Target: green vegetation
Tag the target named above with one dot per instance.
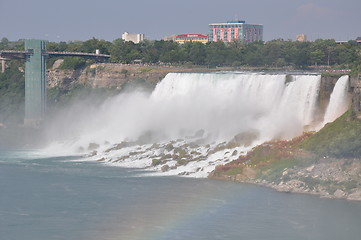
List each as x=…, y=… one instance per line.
x=234, y=171
x=269, y=160
x=156, y=162
x=73, y=63
x=272, y=161
x=340, y=138
x=273, y=54
x=5, y=44
x=12, y=93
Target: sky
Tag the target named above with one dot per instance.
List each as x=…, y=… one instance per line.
x=71, y=20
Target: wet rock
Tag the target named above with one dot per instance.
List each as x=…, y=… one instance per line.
x=310, y=169
x=156, y=162
x=93, y=146
x=121, y=145
x=355, y=195
x=246, y=138
x=165, y=168
x=169, y=147
x=339, y=194
x=235, y=152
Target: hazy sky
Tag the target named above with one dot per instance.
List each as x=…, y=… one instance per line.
x=67, y=20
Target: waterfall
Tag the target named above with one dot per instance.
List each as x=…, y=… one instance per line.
x=192, y=122
x=231, y=103
x=339, y=101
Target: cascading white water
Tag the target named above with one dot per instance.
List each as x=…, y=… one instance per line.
x=190, y=117
x=339, y=101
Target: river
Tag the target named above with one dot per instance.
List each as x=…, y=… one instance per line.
x=45, y=198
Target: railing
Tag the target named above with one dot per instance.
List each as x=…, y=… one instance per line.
x=22, y=54
x=12, y=54
x=80, y=54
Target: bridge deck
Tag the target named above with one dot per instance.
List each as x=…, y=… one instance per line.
x=22, y=54
x=78, y=54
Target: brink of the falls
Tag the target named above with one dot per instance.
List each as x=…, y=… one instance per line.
x=193, y=122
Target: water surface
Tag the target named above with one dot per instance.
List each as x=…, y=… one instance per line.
x=59, y=198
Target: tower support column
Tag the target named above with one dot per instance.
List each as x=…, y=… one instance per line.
x=35, y=82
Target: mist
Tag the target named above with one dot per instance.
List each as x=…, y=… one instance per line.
x=220, y=105
x=190, y=122
x=212, y=117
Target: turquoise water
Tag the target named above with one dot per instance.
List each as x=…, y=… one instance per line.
x=61, y=198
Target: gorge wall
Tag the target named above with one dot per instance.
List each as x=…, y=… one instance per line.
x=355, y=88
x=108, y=75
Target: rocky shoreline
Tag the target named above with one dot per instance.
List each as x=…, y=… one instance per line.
x=327, y=178
x=291, y=166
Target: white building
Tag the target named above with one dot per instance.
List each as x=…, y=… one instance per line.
x=136, y=38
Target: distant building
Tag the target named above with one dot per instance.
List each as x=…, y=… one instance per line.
x=358, y=40
x=135, y=38
x=301, y=38
x=183, y=38
x=235, y=31
x=170, y=38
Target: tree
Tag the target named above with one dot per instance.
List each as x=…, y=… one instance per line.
x=4, y=43
x=73, y=63
x=90, y=46
x=197, y=53
x=12, y=93
x=317, y=56
x=254, y=54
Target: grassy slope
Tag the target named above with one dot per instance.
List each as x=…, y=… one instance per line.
x=341, y=138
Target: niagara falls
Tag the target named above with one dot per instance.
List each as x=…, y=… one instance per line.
x=180, y=120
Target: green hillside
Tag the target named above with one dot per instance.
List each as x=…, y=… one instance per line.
x=341, y=138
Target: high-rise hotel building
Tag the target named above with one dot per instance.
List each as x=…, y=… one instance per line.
x=232, y=31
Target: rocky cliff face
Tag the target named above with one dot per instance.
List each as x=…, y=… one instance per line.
x=108, y=75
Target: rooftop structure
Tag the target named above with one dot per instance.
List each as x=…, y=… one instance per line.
x=301, y=38
x=358, y=40
x=170, y=38
x=183, y=38
x=135, y=38
x=235, y=31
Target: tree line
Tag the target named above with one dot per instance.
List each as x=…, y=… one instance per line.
x=273, y=54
